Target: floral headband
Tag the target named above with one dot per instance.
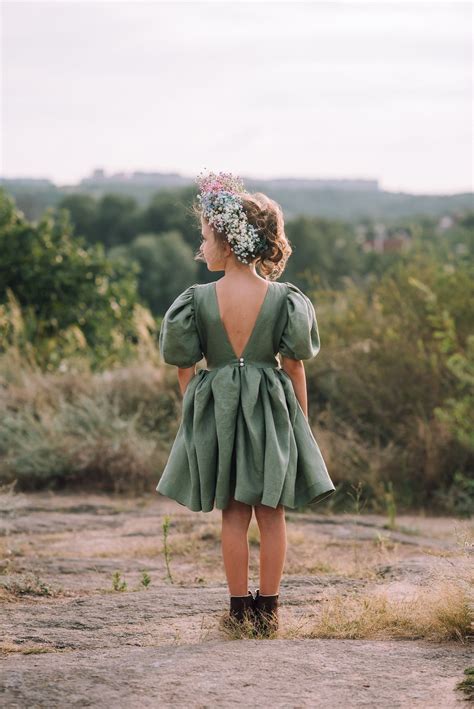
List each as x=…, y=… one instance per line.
x=221, y=204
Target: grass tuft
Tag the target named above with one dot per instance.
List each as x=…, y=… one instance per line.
x=467, y=684
x=438, y=614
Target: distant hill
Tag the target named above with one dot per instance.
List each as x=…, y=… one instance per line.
x=347, y=199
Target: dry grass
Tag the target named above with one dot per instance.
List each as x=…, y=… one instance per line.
x=133, y=551
x=312, y=552
x=10, y=500
x=245, y=629
x=29, y=584
x=442, y=613
x=8, y=647
x=104, y=431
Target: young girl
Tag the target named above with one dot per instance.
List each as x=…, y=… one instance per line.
x=244, y=439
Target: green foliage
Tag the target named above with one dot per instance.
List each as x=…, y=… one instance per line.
x=83, y=209
x=113, y=220
x=154, y=243
x=58, y=296
x=467, y=684
x=395, y=380
x=145, y=580
x=170, y=211
x=158, y=257
x=392, y=387
x=324, y=252
x=457, y=411
x=118, y=584
x=116, y=220
x=459, y=499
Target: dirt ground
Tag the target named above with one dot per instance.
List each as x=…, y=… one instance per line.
x=71, y=638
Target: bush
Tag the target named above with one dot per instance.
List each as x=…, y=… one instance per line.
x=394, y=382
x=109, y=431
x=59, y=297
x=158, y=256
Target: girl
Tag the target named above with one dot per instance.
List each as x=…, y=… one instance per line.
x=244, y=440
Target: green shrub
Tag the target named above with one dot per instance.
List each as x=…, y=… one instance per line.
x=393, y=383
x=59, y=297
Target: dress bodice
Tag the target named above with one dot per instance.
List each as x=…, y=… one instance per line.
x=243, y=433
x=262, y=344
x=192, y=328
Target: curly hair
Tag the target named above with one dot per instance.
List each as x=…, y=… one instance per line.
x=266, y=215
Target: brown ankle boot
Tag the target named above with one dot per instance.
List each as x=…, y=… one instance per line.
x=266, y=613
x=241, y=608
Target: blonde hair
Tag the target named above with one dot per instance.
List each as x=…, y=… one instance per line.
x=267, y=216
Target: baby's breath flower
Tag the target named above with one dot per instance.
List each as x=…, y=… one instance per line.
x=221, y=205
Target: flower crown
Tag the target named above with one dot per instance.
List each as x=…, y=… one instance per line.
x=221, y=204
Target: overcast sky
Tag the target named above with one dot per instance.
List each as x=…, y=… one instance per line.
x=317, y=89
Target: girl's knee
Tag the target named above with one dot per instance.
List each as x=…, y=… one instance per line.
x=237, y=510
x=265, y=513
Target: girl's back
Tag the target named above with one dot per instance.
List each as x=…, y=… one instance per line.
x=239, y=303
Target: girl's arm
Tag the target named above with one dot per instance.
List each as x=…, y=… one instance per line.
x=295, y=370
x=185, y=374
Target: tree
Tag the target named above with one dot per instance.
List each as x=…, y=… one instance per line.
x=169, y=210
x=83, y=209
x=116, y=221
x=323, y=250
x=166, y=266
x=63, y=288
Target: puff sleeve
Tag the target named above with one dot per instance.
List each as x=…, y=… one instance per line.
x=179, y=339
x=300, y=337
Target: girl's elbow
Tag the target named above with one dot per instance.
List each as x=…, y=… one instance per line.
x=291, y=365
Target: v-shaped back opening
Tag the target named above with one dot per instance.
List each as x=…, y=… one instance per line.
x=257, y=319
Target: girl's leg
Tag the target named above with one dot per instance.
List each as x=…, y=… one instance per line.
x=272, y=525
x=235, y=546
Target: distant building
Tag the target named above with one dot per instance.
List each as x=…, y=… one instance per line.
x=382, y=242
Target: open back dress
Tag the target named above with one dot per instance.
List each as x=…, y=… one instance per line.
x=242, y=432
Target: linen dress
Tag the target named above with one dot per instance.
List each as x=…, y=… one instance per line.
x=242, y=432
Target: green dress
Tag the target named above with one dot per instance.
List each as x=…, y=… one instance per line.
x=242, y=432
